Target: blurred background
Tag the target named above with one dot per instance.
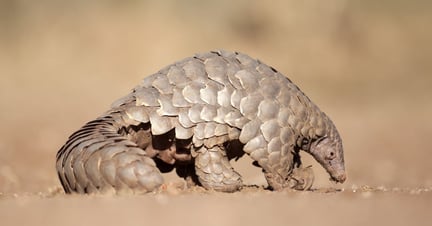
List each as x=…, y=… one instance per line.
x=366, y=63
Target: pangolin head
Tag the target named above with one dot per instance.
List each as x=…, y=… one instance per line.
x=328, y=151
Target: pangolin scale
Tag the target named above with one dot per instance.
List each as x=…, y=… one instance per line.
x=194, y=116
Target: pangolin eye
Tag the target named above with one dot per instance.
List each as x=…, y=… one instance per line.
x=331, y=155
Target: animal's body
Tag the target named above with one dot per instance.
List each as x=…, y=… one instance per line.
x=194, y=116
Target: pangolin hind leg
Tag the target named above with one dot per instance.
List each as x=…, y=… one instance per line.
x=188, y=173
x=214, y=170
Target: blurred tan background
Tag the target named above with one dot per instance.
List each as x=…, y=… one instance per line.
x=366, y=63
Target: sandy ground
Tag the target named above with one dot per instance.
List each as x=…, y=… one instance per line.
x=364, y=63
x=207, y=208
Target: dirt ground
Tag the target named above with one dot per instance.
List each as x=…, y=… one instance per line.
x=366, y=64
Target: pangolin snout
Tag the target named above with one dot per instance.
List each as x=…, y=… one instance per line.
x=339, y=178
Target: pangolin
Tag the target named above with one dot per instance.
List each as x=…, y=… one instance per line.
x=193, y=117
